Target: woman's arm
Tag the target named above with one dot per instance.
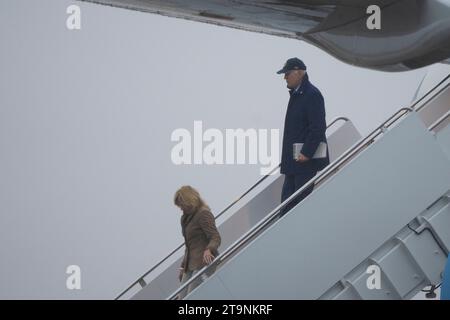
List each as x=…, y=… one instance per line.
x=208, y=225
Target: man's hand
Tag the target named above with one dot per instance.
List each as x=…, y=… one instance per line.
x=302, y=158
x=207, y=256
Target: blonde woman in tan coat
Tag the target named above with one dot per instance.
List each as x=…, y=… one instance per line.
x=200, y=234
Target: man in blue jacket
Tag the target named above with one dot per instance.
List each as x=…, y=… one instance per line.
x=304, y=123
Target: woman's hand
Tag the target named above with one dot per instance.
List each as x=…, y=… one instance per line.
x=207, y=256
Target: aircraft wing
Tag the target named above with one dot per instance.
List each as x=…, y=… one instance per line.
x=413, y=33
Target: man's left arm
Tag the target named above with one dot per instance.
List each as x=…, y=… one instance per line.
x=316, y=125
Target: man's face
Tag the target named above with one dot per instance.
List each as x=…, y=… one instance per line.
x=293, y=78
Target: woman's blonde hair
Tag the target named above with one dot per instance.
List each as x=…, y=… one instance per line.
x=188, y=198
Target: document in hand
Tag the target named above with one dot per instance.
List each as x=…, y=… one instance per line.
x=321, y=151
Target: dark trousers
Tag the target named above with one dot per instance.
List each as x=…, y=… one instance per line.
x=291, y=184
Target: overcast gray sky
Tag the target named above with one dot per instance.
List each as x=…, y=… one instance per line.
x=85, y=124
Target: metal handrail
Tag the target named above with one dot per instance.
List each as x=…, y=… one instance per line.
x=439, y=121
x=141, y=280
x=434, y=95
x=330, y=169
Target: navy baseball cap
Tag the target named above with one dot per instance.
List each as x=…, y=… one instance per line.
x=292, y=64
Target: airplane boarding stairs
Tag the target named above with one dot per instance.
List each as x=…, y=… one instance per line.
x=238, y=218
x=383, y=201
